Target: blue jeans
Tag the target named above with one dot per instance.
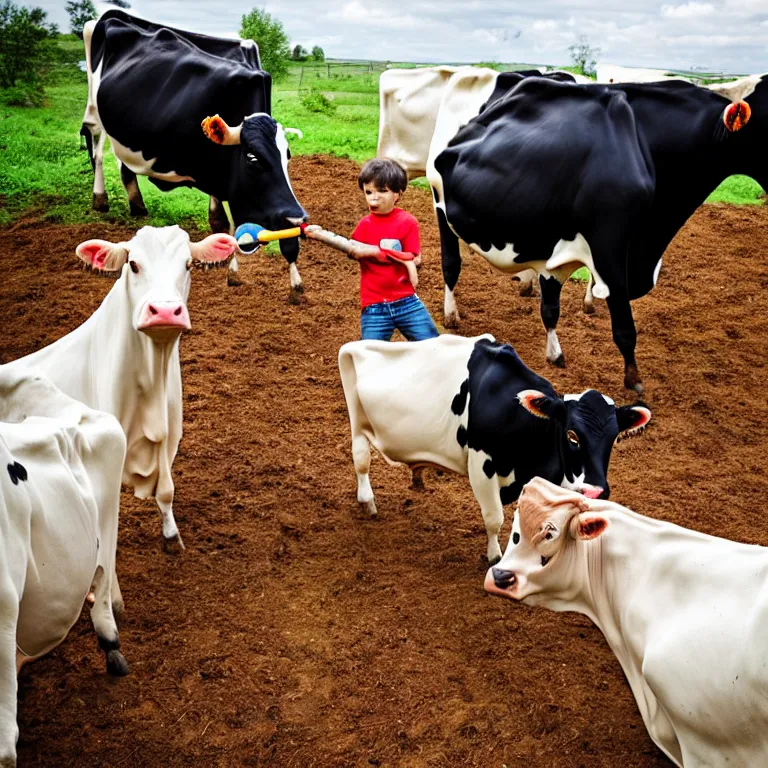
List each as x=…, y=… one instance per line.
x=408, y=315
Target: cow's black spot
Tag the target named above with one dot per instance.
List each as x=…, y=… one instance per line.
x=509, y=493
x=488, y=468
x=17, y=472
x=459, y=402
x=515, y=538
x=435, y=195
x=461, y=437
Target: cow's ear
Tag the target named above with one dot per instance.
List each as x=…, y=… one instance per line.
x=217, y=130
x=214, y=248
x=632, y=419
x=541, y=405
x=588, y=525
x=103, y=255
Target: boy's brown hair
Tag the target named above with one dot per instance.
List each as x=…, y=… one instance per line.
x=384, y=173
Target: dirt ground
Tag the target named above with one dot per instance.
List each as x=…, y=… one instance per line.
x=293, y=632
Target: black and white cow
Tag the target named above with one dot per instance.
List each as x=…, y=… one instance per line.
x=470, y=405
x=553, y=176
x=166, y=99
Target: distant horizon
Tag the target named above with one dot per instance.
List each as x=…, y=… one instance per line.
x=723, y=36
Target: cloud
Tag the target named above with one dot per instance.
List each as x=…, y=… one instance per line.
x=687, y=11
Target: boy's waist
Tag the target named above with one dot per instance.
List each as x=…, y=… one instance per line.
x=386, y=305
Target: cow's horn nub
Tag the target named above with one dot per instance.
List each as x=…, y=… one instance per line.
x=737, y=115
x=217, y=130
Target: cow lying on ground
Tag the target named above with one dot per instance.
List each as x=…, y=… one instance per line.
x=60, y=468
x=553, y=176
x=471, y=405
x=165, y=98
x=125, y=358
x=686, y=615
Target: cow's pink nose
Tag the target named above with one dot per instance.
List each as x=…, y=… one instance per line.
x=164, y=315
x=593, y=492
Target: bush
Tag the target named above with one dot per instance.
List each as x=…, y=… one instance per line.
x=317, y=101
x=269, y=35
x=25, y=52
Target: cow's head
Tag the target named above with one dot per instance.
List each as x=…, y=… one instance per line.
x=586, y=426
x=260, y=191
x=154, y=270
x=550, y=527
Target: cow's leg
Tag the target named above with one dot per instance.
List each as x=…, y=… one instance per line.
x=526, y=282
x=172, y=543
x=131, y=184
x=290, y=250
x=104, y=622
x=451, y=260
x=100, y=199
x=486, y=490
x=9, y=730
x=625, y=335
x=361, y=456
x=550, y=313
x=589, y=299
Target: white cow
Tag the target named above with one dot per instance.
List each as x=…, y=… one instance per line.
x=685, y=613
x=125, y=358
x=60, y=471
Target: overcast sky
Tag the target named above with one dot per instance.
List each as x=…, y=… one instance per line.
x=727, y=35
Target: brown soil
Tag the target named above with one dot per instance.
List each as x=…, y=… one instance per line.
x=294, y=632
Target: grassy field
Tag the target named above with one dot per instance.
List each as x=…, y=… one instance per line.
x=43, y=166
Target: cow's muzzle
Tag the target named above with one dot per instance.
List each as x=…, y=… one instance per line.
x=499, y=582
x=162, y=320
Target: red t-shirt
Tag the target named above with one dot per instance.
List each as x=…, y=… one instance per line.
x=386, y=280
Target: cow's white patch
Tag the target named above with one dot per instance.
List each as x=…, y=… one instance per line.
x=295, y=276
x=503, y=259
x=577, y=251
x=449, y=305
x=738, y=90
x=364, y=490
x=656, y=272
x=139, y=164
x=607, y=399
x=577, y=484
x=554, y=351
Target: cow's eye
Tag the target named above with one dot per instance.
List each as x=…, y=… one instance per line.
x=548, y=536
x=544, y=560
x=252, y=158
x=573, y=438
x=134, y=267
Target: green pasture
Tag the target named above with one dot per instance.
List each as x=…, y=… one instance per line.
x=44, y=169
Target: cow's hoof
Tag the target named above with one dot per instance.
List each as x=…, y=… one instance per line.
x=233, y=280
x=589, y=309
x=638, y=388
x=298, y=288
x=526, y=289
x=559, y=361
x=369, y=508
x=100, y=202
x=451, y=320
x=173, y=545
x=138, y=210
x=295, y=296
x=117, y=666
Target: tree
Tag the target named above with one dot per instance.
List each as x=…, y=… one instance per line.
x=299, y=53
x=318, y=54
x=24, y=54
x=584, y=56
x=271, y=38
x=80, y=11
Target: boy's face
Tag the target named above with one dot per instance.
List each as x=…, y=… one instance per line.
x=380, y=201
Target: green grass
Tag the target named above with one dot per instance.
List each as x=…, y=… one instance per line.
x=43, y=168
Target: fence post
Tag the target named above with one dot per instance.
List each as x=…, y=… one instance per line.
x=329, y=71
x=301, y=77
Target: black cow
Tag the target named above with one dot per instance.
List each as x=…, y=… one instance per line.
x=166, y=99
x=472, y=406
x=551, y=176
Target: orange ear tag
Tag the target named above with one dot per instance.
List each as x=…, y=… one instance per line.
x=214, y=128
x=737, y=115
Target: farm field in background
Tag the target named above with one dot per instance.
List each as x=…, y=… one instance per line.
x=42, y=165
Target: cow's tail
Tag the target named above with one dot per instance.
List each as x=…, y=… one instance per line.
x=84, y=131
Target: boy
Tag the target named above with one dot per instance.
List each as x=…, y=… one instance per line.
x=387, y=245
